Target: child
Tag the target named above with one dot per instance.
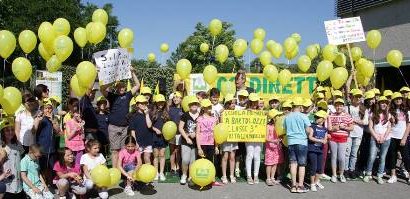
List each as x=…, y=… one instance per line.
x=205, y=134
x=317, y=138
x=274, y=102
x=102, y=119
x=229, y=148
x=71, y=106
x=129, y=160
x=89, y=161
x=33, y=182
x=140, y=126
x=175, y=113
x=187, y=128
x=68, y=175
x=273, y=149
x=75, y=135
x=159, y=117
x=217, y=108
x=241, y=152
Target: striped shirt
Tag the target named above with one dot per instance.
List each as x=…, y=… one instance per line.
x=338, y=119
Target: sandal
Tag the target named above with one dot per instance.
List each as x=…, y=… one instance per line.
x=293, y=189
x=250, y=181
x=233, y=179
x=224, y=180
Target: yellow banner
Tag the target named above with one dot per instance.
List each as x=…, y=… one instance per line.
x=245, y=126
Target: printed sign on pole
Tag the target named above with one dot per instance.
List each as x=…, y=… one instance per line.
x=344, y=31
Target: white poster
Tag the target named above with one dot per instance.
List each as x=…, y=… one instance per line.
x=344, y=31
x=113, y=65
x=197, y=84
x=52, y=80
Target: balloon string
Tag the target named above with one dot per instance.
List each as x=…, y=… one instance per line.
x=375, y=71
x=82, y=53
x=213, y=42
x=4, y=70
x=288, y=62
x=403, y=77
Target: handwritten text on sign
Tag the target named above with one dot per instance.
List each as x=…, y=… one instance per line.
x=344, y=31
x=245, y=126
x=113, y=65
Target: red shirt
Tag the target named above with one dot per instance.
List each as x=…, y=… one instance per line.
x=337, y=119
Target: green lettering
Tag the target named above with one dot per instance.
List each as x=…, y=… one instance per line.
x=299, y=81
x=255, y=84
x=312, y=81
x=219, y=82
x=274, y=87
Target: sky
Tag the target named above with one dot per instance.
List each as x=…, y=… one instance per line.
x=172, y=21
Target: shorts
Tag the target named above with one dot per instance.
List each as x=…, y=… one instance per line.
x=230, y=146
x=159, y=144
x=129, y=167
x=209, y=152
x=117, y=135
x=46, y=161
x=176, y=140
x=145, y=149
x=78, y=189
x=42, y=195
x=298, y=154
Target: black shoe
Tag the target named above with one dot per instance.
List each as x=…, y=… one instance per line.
x=354, y=175
x=347, y=174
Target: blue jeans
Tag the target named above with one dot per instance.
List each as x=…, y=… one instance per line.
x=384, y=147
x=353, y=144
x=298, y=154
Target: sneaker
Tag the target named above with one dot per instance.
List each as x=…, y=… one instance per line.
x=333, y=179
x=318, y=184
x=156, y=177
x=380, y=180
x=183, y=180
x=342, y=178
x=250, y=181
x=354, y=175
x=233, y=179
x=347, y=174
x=162, y=177
x=237, y=172
x=406, y=174
x=224, y=180
x=325, y=177
x=275, y=182
x=313, y=187
x=392, y=180
x=128, y=191
x=103, y=195
x=366, y=178
x=256, y=180
x=269, y=182
x=302, y=189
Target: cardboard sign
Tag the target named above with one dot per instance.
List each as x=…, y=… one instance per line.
x=344, y=31
x=113, y=65
x=245, y=126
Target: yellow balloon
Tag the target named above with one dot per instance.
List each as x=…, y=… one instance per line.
x=304, y=63
x=340, y=60
x=185, y=101
x=126, y=37
x=88, y=28
x=53, y=64
x=43, y=52
x=98, y=32
x=151, y=57
x=7, y=43
x=22, y=69
x=338, y=77
x=146, y=173
x=80, y=36
x=292, y=54
x=284, y=77
x=276, y=50
x=210, y=74
x=271, y=73
x=27, y=41
x=184, y=68
x=323, y=70
x=78, y=90
x=86, y=73
x=364, y=81
x=221, y=133
x=297, y=37
x=269, y=44
x=215, y=27
x=169, y=130
x=115, y=176
x=221, y=53
x=356, y=53
x=228, y=87
x=366, y=68
x=164, y=47
x=204, y=47
x=239, y=47
x=100, y=15
x=259, y=33
x=312, y=51
x=329, y=52
x=373, y=39
x=279, y=125
x=11, y=100
x=61, y=26
x=46, y=34
x=100, y=175
x=256, y=46
x=63, y=47
x=394, y=57
x=202, y=172
x=289, y=44
x=265, y=58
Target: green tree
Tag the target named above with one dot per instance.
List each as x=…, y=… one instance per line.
x=189, y=49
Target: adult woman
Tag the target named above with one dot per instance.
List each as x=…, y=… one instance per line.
x=25, y=121
x=240, y=80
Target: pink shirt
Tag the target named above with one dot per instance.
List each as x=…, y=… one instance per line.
x=75, y=143
x=206, y=126
x=272, y=136
x=64, y=169
x=128, y=158
x=339, y=136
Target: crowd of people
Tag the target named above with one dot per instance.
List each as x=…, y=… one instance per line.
x=353, y=127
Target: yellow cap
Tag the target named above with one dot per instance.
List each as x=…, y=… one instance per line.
x=320, y=89
x=353, y=90
x=396, y=95
x=273, y=113
x=253, y=97
x=339, y=100
x=405, y=89
x=357, y=92
x=298, y=101
x=321, y=114
x=319, y=96
x=369, y=94
x=376, y=91
x=337, y=93
x=383, y=99
x=243, y=93
x=159, y=98
x=56, y=98
x=307, y=102
x=192, y=100
x=101, y=98
x=6, y=122
x=140, y=99
x=145, y=90
x=322, y=104
x=387, y=93
x=177, y=94
x=47, y=101
x=206, y=103
x=274, y=97
x=287, y=104
x=229, y=97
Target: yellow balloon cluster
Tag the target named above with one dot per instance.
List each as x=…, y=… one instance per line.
x=202, y=172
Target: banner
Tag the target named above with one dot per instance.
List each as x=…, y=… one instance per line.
x=301, y=84
x=52, y=80
x=245, y=126
x=344, y=31
x=113, y=65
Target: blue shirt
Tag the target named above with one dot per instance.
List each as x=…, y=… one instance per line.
x=142, y=132
x=102, y=120
x=45, y=136
x=295, y=124
x=88, y=113
x=319, y=132
x=175, y=115
x=158, y=123
x=119, y=107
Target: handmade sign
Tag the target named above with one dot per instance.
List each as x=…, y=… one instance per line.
x=113, y=65
x=344, y=31
x=245, y=125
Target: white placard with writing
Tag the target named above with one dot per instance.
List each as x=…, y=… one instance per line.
x=52, y=80
x=113, y=65
x=344, y=31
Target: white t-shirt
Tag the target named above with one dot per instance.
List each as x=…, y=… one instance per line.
x=91, y=163
x=355, y=113
x=397, y=130
x=217, y=110
x=26, y=125
x=381, y=128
